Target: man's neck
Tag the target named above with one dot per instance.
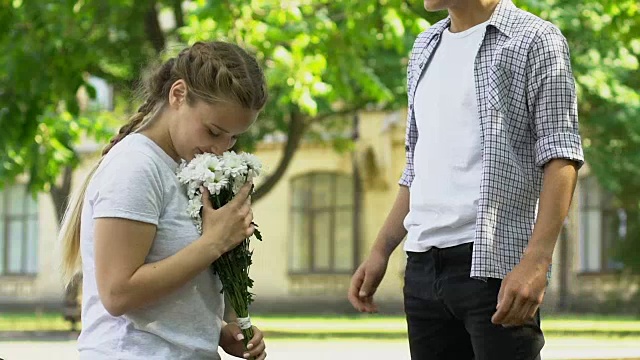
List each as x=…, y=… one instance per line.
x=471, y=13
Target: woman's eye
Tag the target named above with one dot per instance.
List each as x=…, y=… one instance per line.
x=213, y=133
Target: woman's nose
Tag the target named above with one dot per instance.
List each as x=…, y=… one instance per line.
x=221, y=146
x=216, y=150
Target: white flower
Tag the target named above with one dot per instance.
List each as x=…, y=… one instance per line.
x=233, y=164
x=216, y=173
x=198, y=224
x=185, y=172
x=193, y=209
x=207, y=167
x=212, y=163
x=194, y=206
x=253, y=164
x=214, y=185
x=193, y=189
x=238, y=181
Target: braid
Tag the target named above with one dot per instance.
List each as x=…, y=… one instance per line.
x=224, y=77
x=253, y=78
x=128, y=128
x=227, y=77
x=155, y=88
x=219, y=71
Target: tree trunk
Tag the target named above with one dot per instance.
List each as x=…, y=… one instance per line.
x=60, y=195
x=297, y=129
x=358, y=195
x=178, y=13
x=152, y=28
x=565, y=268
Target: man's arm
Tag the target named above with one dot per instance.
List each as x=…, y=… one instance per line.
x=552, y=102
x=522, y=290
x=560, y=177
x=369, y=274
x=393, y=232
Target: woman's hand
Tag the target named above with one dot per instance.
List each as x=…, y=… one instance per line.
x=231, y=342
x=225, y=228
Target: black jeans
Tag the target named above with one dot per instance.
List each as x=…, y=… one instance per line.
x=449, y=313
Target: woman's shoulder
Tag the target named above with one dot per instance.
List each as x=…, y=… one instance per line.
x=123, y=161
x=137, y=153
x=130, y=165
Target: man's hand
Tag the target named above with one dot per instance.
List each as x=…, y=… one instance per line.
x=365, y=281
x=522, y=291
x=523, y=288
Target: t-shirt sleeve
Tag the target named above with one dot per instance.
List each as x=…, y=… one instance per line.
x=129, y=186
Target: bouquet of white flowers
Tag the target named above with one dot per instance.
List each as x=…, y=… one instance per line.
x=223, y=176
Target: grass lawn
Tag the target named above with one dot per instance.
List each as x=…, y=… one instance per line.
x=32, y=322
x=395, y=327
x=359, y=326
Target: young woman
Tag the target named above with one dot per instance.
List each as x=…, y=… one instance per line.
x=148, y=292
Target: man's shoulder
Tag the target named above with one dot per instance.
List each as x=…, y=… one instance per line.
x=527, y=26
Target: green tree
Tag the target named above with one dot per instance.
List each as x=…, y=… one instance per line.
x=323, y=59
x=50, y=47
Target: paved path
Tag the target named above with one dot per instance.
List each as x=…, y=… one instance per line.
x=556, y=349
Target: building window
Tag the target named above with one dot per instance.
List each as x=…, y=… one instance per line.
x=602, y=226
x=104, y=94
x=18, y=231
x=322, y=218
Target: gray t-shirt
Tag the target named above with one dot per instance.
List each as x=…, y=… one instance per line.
x=136, y=180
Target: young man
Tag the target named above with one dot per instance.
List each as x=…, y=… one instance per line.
x=493, y=152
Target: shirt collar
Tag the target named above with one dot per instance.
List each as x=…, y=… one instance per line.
x=500, y=19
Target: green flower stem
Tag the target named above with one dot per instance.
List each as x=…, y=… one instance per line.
x=233, y=270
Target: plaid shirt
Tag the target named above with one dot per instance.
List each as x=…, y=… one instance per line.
x=528, y=116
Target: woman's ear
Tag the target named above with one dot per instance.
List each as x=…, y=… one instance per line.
x=178, y=93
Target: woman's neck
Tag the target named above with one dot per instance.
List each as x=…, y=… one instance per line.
x=158, y=132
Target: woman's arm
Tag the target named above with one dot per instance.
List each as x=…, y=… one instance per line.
x=124, y=281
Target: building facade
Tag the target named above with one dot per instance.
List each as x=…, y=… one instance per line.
x=319, y=223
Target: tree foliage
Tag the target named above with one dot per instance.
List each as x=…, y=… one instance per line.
x=323, y=59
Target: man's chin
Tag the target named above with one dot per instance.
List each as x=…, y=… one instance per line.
x=434, y=6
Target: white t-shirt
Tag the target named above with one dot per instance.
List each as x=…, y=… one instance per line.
x=448, y=155
x=136, y=180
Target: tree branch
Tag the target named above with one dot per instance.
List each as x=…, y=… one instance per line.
x=178, y=13
x=152, y=28
x=297, y=128
x=60, y=194
x=347, y=111
x=95, y=70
